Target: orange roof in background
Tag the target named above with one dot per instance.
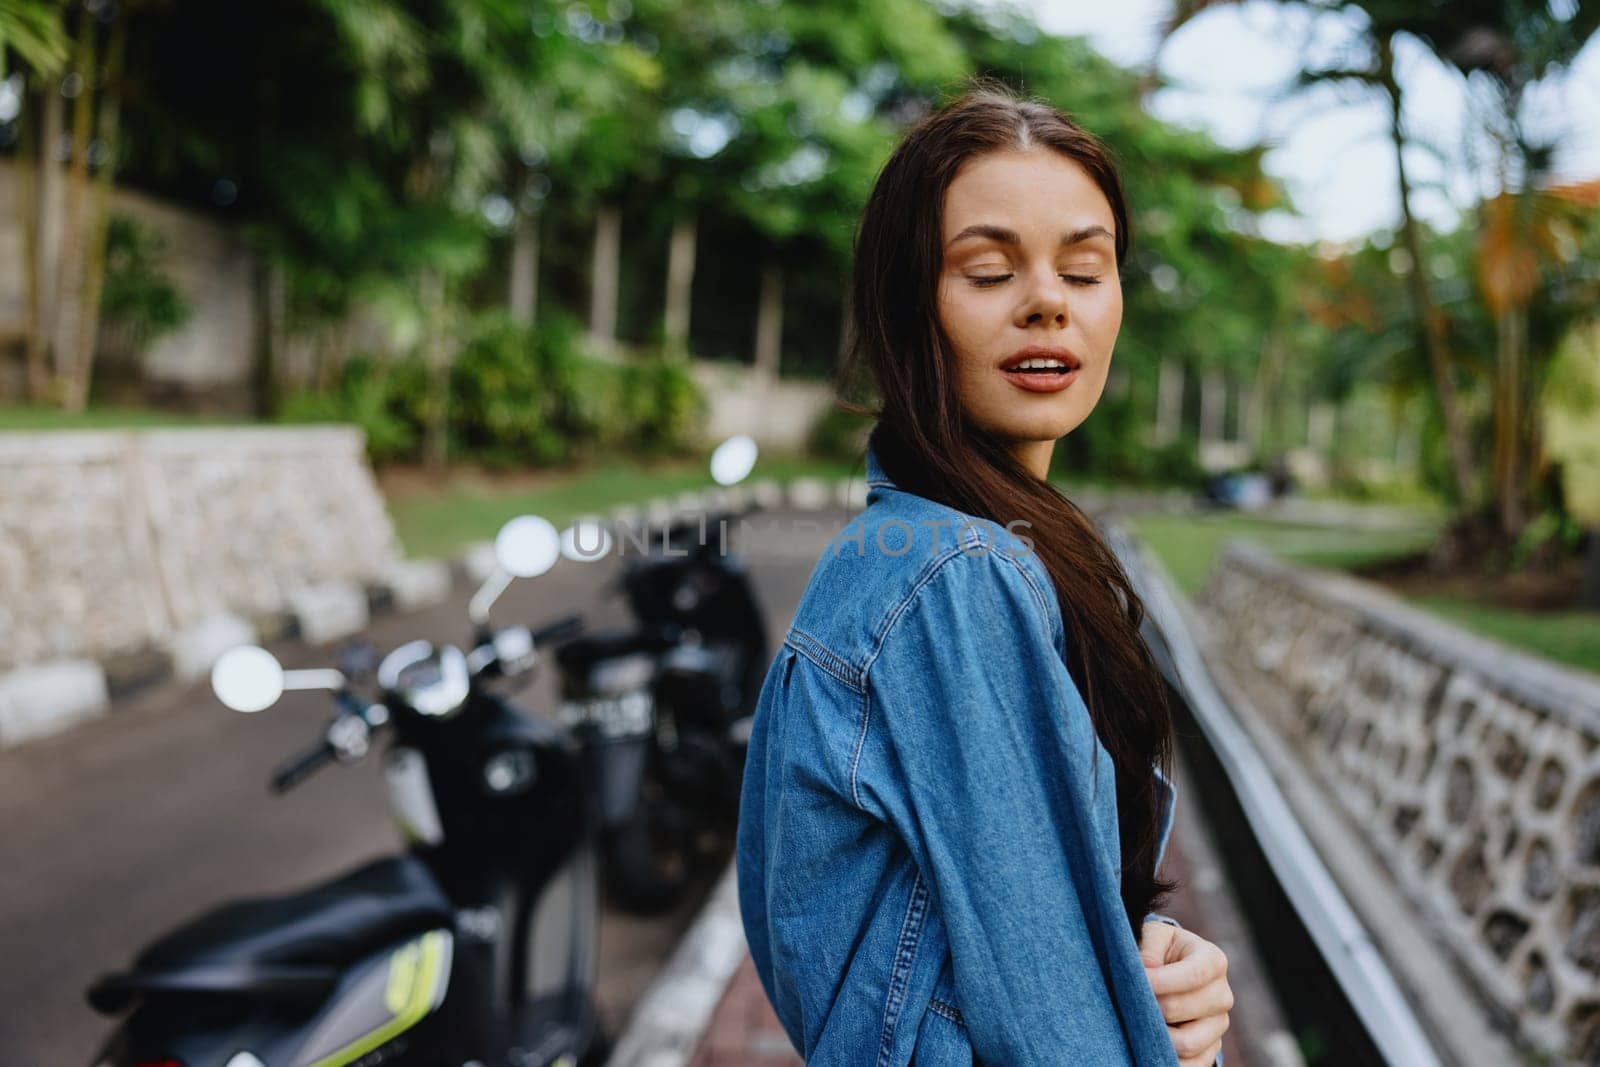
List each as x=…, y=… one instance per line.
x=1584, y=194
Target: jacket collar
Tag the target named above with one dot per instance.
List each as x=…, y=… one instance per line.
x=876, y=477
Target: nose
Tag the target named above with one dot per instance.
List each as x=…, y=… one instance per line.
x=1045, y=299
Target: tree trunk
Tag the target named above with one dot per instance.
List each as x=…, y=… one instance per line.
x=1510, y=356
x=680, y=283
x=1590, y=597
x=271, y=309
x=607, y=264
x=46, y=227
x=1319, y=429
x=98, y=221
x=1213, y=406
x=27, y=204
x=436, y=357
x=523, y=296
x=1260, y=407
x=769, y=320
x=1169, y=402
x=1428, y=315
x=70, y=312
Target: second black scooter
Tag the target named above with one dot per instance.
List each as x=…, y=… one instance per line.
x=672, y=694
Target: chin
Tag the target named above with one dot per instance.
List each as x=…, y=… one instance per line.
x=1040, y=427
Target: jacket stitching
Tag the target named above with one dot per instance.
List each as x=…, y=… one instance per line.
x=900, y=977
x=949, y=1011
x=861, y=743
x=822, y=656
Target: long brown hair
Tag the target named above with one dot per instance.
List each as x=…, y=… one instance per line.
x=928, y=447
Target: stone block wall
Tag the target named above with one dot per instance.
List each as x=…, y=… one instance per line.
x=115, y=541
x=1473, y=770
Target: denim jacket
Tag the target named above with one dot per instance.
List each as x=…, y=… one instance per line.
x=927, y=852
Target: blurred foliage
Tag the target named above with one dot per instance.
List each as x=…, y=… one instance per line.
x=139, y=298
x=839, y=434
x=519, y=397
x=1572, y=422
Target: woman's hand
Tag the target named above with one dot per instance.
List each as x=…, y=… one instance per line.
x=1189, y=977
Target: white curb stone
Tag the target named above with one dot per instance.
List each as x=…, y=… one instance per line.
x=853, y=493
x=809, y=494
x=674, y=1012
x=328, y=611
x=196, y=647
x=715, y=499
x=767, y=494
x=658, y=511
x=47, y=698
x=419, y=583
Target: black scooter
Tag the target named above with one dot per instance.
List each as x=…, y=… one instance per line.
x=675, y=692
x=478, y=946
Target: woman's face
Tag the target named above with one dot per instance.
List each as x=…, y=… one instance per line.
x=1029, y=263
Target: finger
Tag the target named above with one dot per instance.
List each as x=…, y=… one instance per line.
x=1205, y=1059
x=1154, y=940
x=1192, y=1039
x=1210, y=999
x=1195, y=970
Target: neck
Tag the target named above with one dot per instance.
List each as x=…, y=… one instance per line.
x=1035, y=456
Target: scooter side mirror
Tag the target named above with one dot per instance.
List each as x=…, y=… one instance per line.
x=733, y=460
x=527, y=546
x=247, y=679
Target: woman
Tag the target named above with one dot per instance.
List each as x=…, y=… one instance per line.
x=954, y=805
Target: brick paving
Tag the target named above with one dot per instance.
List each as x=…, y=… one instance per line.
x=743, y=1031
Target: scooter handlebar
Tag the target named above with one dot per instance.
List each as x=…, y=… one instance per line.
x=555, y=632
x=294, y=771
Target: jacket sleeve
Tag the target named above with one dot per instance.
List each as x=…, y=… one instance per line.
x=993, y=788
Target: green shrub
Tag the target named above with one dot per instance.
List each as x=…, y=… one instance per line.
x=385, y=397
x=138, y=297
x=839, y=434
x=514, y=395
x=518, y=397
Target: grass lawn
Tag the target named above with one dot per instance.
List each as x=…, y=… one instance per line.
x=440, y=519
x=1189, y=545
x=1570, y=637
x=42, y=418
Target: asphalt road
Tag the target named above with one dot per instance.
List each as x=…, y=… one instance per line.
x=118, y=830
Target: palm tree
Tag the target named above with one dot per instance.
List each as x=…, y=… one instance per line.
x=32, y=29
x=1387, y=21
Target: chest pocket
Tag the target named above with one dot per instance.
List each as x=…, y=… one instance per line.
x=942, y=1035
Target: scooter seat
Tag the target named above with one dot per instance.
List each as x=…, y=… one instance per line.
x=286, y=945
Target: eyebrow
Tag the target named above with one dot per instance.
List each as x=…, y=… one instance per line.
x=1010, y=237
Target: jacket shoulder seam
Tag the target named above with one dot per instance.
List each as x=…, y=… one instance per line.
x=824, y=657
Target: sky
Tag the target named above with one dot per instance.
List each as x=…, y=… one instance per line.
x=1229, y=69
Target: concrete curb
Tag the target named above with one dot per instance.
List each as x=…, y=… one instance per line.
x=42, y=699
x=675, y=1011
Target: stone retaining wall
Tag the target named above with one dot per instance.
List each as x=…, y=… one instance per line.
x=1473, y=770
x=119, y=543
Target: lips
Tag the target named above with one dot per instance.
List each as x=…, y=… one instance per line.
x=1069, y=362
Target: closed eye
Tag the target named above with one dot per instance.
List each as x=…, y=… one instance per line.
x=995, y=279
